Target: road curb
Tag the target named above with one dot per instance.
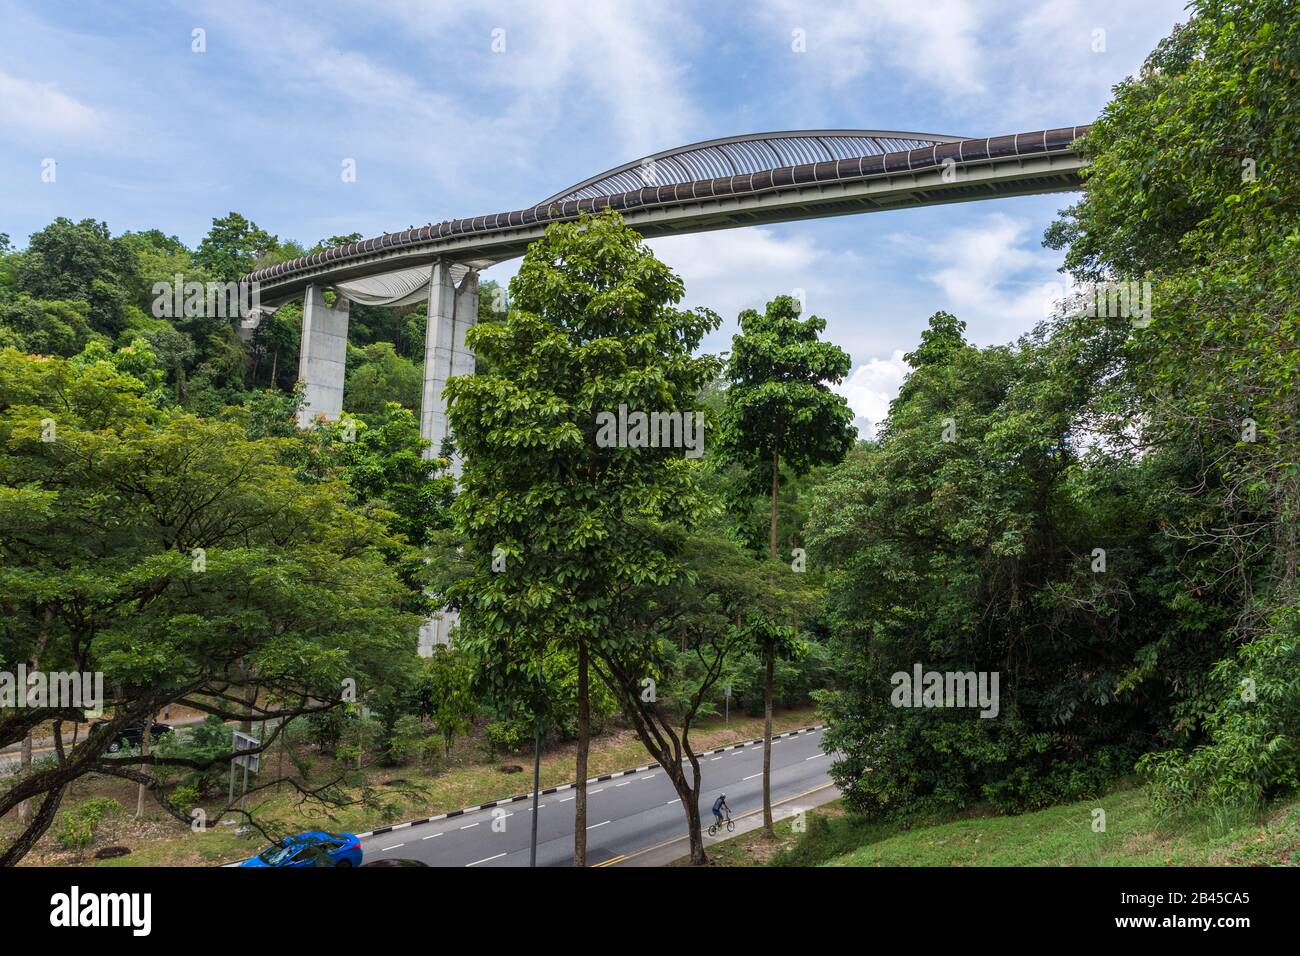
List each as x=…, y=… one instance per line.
x=569, y=786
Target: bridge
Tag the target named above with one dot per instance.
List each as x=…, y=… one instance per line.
x=725, y=183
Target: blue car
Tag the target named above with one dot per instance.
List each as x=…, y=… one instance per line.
x=313, y=848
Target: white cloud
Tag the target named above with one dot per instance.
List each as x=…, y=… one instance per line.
x=566, y=61
x=736, y=269
x=42, y=109
x=993, y=273
x=930, y=41
x=871, y=387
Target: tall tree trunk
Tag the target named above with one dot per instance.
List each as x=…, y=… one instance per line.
x=691, y=804
x=767, y=745
x=776, y=477
x=25, y=764
x=584, y=741
x=144, y=751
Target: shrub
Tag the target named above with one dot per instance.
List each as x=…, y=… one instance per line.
x=77, y=824
x=404, y=742
x=507, y=736
x=184, y=798
x=1253, y=747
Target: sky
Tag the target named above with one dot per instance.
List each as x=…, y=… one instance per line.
x=168, y=114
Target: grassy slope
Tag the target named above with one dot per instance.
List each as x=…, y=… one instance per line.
x=1059, y=836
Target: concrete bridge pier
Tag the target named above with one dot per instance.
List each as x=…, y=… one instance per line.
x=452, y=312
x=322, y=356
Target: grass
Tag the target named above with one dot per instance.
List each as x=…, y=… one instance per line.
x=1058, y=836
x=467, y=779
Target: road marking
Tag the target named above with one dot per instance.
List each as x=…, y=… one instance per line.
x=612, y=860
x=471, y=825
x=486, y=859
x=539, y=807
x=597, y=790
x=671, y=802
x=815, y=756
x=565, y=799
x=393, y=847
x=594, y=825
x=753, y=775
x=649, y=776
x=711, y=759
x=622, y=784
x=431, y=836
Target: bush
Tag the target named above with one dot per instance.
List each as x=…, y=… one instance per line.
x=1253, y=750
x=405, y=741
x=895, y=763
x=326, y=729
x=507, y=736
x=184, y=798
x=77, y=824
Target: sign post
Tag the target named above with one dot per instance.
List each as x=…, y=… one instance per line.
x=249, y=761
x=726, y=693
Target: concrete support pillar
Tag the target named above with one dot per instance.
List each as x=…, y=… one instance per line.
x=452, y=313
x=437, y=630
x=322, y=356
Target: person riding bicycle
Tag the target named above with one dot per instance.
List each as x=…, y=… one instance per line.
x=719, y=805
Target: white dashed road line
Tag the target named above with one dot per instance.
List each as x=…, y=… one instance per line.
x=486, y=859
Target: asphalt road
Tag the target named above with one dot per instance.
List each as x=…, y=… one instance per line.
x=624, y=815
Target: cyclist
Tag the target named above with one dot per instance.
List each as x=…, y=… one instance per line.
x=720, y=805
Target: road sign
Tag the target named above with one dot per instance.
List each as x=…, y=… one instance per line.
x=251, y=762
x=727, y=691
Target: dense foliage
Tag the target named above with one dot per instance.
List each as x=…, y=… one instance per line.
x=1105, y=513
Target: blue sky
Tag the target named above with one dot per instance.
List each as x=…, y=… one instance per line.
x=148, y=133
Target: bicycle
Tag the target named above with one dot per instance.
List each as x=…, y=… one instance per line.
x=713, y=827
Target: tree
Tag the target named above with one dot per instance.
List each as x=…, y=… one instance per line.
x=377, y=375
x=778, y=409
x=45, y=327
x=233, y=246
x=966, y=541
x=179, y=558
x=445, y=689
x=555, y=523
x=82, y=261
x=1192, y=187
